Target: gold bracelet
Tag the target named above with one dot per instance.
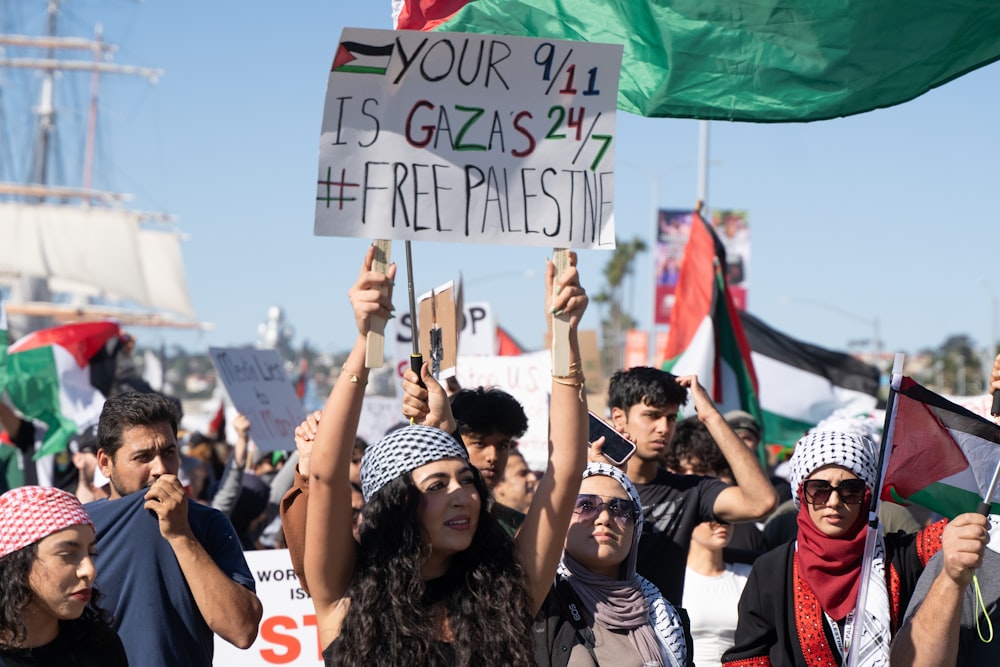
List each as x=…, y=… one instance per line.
x=573, y=373
x=353, y=377
x=567, y=380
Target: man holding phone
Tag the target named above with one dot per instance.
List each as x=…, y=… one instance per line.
x=644, y=403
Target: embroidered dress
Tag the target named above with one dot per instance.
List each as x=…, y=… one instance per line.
x=781, y=623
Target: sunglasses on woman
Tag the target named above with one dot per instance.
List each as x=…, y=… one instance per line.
x=818, y=491
x=589, y=506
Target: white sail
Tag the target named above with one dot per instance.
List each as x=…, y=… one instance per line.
x=91, y=250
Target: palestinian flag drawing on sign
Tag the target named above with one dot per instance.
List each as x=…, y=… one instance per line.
x=943, y=456
x=362, y=58
x=760, y=61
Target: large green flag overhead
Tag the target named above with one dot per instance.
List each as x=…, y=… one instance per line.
x=760, y=60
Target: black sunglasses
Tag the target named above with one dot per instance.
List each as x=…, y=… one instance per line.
x=818, y=491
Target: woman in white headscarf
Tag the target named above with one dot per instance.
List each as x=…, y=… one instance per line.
x=600, y=612
x=799, y=604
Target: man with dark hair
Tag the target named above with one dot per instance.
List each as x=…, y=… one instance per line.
x=489, y=421
x=644, y=403
x=173, y=570
x=517, y=485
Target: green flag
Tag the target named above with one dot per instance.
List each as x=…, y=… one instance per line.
x=761, y=61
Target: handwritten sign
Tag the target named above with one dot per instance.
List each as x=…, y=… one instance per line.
x=469, y=138
x=257, y=384
x=437, y=320
x=288, y=633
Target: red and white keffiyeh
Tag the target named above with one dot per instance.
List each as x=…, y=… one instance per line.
x=30, y=513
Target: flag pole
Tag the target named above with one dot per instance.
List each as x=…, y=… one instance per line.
x=416, y=359
x=987, y=501
x=871, y=539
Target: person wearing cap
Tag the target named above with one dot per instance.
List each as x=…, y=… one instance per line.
x=49, y=607
x=746, y=427
x=172, y=568
x=435, y=579
x=800, y=601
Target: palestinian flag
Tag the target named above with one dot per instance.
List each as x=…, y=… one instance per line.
x=802, y=384
x=362, y=58
x=760, y=60
x=943, y=457
x=49, y=378
x=706, y=335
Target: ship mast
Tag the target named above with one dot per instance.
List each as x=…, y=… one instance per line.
x=32, y=303
x=38, y=187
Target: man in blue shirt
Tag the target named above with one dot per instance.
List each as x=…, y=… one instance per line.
x=174, y=571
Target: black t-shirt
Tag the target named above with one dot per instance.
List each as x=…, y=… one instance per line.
x=672, y=505
x=80, y=643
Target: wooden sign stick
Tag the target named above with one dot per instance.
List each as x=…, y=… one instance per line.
x=560, y=322
x=375, y=343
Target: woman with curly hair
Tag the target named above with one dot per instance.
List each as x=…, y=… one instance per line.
x=48, y=605
x=435, y=580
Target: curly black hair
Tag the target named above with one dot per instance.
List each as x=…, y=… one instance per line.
x=395, y=614
x=646, y=385
x=488, y=410
x=694, y=444
x=16, y=595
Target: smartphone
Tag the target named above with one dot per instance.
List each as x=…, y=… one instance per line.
x=617, y=448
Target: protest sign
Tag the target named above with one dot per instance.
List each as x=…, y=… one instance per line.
x=378, y=415
x=439, y=136
x=257, y=385
x=437, y=322
x=478, y=335
x=527, y=378
x=288, y=633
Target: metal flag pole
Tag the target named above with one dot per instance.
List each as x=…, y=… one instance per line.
x=987, y=501
x=854, y=656
x=416, y=359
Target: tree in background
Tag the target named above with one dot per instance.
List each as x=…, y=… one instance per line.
x=615, y=316
x=957, y=367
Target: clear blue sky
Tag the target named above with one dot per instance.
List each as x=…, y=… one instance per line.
x=890, y=215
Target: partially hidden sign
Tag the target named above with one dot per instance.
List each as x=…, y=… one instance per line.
x=438, y=136
x=260, y=389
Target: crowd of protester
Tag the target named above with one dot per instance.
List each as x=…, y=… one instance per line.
x=438, y=544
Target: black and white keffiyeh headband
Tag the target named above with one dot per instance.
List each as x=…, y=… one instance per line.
x=403, y=450
x=849, y=449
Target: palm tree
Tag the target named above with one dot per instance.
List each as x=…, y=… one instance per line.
x=616, y=319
